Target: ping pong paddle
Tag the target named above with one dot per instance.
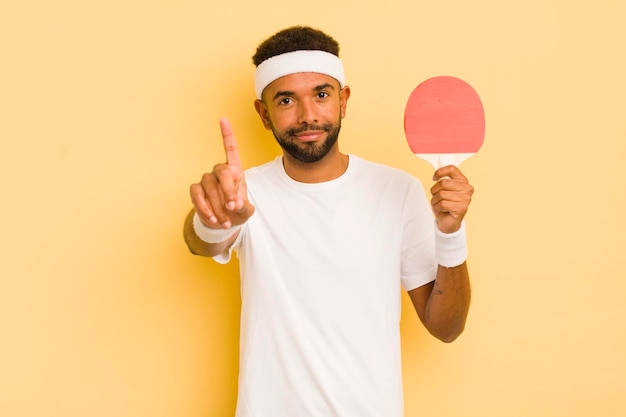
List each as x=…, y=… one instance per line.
x=444, y=121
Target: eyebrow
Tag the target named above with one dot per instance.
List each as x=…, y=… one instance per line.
x=286, y=93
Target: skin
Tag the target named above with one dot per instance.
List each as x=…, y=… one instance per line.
x=295, y=103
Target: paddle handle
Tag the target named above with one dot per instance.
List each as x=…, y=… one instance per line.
x=438, y=160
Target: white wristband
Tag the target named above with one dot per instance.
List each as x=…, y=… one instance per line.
x=209, y=235
x=451, y=248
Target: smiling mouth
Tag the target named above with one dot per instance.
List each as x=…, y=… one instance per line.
x=309, y=136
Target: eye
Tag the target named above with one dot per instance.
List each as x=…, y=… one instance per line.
x=285, y=101
x=322, y=94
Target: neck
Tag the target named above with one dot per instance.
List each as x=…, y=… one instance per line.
x=330, y=167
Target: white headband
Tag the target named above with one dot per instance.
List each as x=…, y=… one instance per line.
x=299, y=61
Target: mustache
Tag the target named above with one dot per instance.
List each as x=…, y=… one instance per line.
x=325, y=127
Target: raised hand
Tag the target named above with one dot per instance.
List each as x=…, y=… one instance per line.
x=451, y=196
x=220, y=198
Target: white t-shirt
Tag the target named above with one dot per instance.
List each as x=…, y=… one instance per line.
x=322, y=266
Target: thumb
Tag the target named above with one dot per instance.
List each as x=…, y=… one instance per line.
x=246, y=211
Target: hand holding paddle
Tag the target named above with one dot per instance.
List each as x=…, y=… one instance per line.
x=444, y=123
x=221, y=197
x=451, y=196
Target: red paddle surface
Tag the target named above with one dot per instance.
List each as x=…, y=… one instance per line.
x=444, y=115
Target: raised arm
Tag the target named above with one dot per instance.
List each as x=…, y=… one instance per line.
x=443, y=304
x=220, y=202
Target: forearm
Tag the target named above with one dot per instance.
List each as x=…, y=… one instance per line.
x=199, y=247
x=447, y=306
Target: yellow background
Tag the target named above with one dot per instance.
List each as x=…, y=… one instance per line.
x=109, y=110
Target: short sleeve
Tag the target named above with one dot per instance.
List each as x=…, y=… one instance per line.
x=419, y=266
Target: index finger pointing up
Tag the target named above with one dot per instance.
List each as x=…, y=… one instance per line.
x=230, y=144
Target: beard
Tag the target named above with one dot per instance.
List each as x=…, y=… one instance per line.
x=308, y=152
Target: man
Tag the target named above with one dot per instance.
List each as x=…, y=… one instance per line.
x=326, y=242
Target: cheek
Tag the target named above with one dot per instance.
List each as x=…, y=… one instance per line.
x=281, y=120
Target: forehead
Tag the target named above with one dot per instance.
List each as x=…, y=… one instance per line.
x=300, y=83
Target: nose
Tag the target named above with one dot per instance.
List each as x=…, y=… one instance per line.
x=307, y=113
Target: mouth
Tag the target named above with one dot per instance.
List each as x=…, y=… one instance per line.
x=309, y=135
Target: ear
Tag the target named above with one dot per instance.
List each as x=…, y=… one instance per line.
x=343, y=100
x=261, y=109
